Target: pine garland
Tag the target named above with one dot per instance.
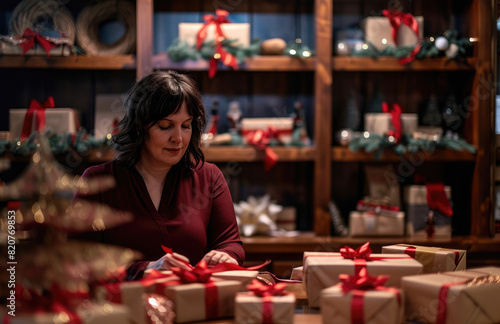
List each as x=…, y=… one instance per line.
x=80, y=142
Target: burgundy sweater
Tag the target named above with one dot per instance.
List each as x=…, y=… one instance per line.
x=195, y=215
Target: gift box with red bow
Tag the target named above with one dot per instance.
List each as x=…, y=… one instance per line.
x=396, y=29
x=434, y=259
x=86, y=313
x=323, y=270
x=264, y=304
x=469, y=296
x=362, y=299
x=41, y=116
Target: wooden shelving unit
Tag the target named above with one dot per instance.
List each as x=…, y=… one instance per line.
x=328, y=72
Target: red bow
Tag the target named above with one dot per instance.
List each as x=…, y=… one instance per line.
x=395, y=111
x=397, y=18
x=437, y=199
x=39, y=108
x=220, y=53
x=260, y=139
x=29, y=41
x=261, y=290
x=361, y=281
x=362, y=252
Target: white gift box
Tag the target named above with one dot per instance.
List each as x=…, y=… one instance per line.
x=469, y=296
x=108, y=110
x=415, y=199
x=297, y=273
x=381, y=123
x=287, y=219
x=240, y=33
x=379, y=306
x=58, y=120
x=282, y=125
x=434, y=259
x=369, y=224
x=322, y=270
x=378, y=32
x=9, y=49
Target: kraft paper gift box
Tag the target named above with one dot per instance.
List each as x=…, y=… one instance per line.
x=469, y=296
x=379, y=306
x=297, y=273
x=58, y=120
x=201, y=301
x=250, y=309
x=378, y=32
x=323, y=271
x=369, y=224
x=434, y=259
x=283, y=127
x=415, y=199
x=88, y=313
x=239, y=32
x=381, y=123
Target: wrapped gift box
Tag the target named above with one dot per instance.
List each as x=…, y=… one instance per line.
x=369, y=224
x=378, y=32
x=108, y=111
x=415, y=199
x=240, y=33
x=379, y=306
x=200, y=301
x=469, y=296
x=58, y=120
x=249, y=308
x=286, y=219
x=245, y=277
x=297, y=273
x=88, y=313
x=381, y=123
x=283, y=126
x=434, y=259
x=323, y=271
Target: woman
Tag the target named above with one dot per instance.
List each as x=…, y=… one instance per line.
x=177, y=199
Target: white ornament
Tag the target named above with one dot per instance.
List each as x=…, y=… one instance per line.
x=452, y=51
x=441, y=43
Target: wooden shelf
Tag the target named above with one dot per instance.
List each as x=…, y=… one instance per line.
x=118, y=62
x=231, y=153
x=343, y=154
x=256, y=63
x=391, y=64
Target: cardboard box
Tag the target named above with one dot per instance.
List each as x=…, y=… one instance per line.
x=58, y=120
x=378, y=32
x=369, y=224
x=249, y=308
x=415, y=200
x=434, y=259
x=240, y=33
x=323, y=271
x=379, y=306
x=469, y=296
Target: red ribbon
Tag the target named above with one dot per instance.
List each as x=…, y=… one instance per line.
x=437, y=200
x=359, y=284
x=220, y=53
x=30, y=36
x=395, y=111
x=260, y=140
x=412, y=250
x=39, y=109
x=397, y=18
x=267, y=292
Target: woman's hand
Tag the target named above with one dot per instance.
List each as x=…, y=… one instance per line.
x=214, y=257
x=170, y=260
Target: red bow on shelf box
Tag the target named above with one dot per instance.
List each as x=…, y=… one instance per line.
x=220, y=53
x=39, y=109
x=397, y=18
x=377, y=208
x=29, y=38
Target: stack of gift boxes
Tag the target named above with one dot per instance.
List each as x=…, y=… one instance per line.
x=403, y=283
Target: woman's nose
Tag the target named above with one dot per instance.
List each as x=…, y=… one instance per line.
x=176, y=135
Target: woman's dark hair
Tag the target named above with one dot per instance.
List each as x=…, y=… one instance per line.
x=151, y=99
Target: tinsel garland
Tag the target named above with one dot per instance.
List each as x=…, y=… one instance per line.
x=428, y=48
x=377, y=144
x=80, y=142
x=180, y=50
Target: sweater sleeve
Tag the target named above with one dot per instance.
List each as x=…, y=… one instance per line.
x=223, y=234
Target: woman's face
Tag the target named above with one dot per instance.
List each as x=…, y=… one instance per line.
x=168, y=139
